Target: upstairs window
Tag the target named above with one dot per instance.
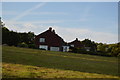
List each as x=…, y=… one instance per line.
x=42, y=39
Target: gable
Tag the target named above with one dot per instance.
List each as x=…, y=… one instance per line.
x=51, y=38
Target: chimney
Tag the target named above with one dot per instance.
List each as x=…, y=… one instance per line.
x=76, y=39
x=53, y=31
x=50, y=28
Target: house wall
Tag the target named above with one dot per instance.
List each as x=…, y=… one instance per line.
x=65, y=48
x=76, y=43
x=51, y=40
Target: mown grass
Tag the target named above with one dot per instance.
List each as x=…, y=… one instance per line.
x=22, y=63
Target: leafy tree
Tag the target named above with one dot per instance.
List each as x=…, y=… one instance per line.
x=32, y=46
x=5, y=35
x=1, y=23
x=14, y=38
x=91, y=44
x=28, y=38
x=31, y=37
x=102, y=47
x=109, y=49
x=115, y=51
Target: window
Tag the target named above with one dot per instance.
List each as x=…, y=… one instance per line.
x=54, y=48
x=72, y=45
x=43, y=47
x=42, y=39
x=65, y=48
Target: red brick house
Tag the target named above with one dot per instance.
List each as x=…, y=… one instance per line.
x=49, y=40
x=76, y=44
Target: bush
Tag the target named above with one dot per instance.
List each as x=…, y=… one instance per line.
x=23, y=45
x=32, y=46
x=42, y=49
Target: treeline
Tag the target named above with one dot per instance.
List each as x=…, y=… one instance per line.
x=98, y=48
x=12, y=38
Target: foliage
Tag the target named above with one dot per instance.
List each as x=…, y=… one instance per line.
x=5, y=33
x=23, y=45
x=109, y=49
x=91, y=44
x=115, y=50
x=10, y=37
x=32, y=46
x=14, y=38
x=102, y=47
x=28, y=38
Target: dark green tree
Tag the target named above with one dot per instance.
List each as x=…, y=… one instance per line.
x=91, y=44
x=5, y=35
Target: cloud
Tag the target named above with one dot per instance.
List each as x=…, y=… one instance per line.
x=28, y=11
x=34, y=13
x=48, y=13
x=34, y=22
x=69, y=34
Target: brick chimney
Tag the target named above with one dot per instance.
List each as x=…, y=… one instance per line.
x=50, y=28
x=53, y=31
x=76, y=39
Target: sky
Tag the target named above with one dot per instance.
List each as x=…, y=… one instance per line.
x=97, y=21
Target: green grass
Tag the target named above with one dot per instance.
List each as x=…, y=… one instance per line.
x=32, y=63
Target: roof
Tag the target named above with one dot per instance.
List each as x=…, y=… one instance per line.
x=52, y=38
x=50, y=32
x=75, y=41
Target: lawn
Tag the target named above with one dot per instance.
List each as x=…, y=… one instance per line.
x=33, y=63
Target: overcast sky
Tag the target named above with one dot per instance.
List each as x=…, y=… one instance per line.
x=97, y=21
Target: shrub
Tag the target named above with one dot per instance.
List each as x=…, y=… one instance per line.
x=32, y=46
x=23, y=45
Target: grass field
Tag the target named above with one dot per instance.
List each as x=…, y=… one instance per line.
x=32, y=63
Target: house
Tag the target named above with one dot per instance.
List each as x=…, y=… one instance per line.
x=49, y=40
x=76, y=44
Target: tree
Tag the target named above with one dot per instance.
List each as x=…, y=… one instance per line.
x=10, y=37
x=102, y=47
x=14, y=38
x=5, y=35
x=31, y=37
x=27, y=38
x=1, y=23
x=91, y=44
x=115, y=51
